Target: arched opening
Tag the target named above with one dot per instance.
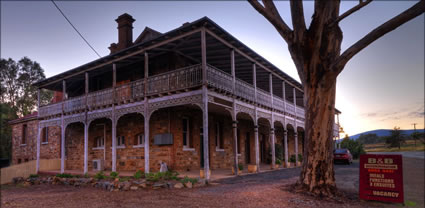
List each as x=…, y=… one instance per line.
x=264, y=138
x=245, y=138
x=301, y=140
x=279, y=146
x=74, y=146
x=130, y=142
x=99, y=145
x=291, y=143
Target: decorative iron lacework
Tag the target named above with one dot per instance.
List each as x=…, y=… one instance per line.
x=140, y=108
x=74, y=119
x=244, y=109
x=103, y=114
x=191, y=99
x=267, y=116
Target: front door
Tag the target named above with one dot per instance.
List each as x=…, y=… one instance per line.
x=248, y=148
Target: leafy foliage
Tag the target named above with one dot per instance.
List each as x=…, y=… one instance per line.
x=396, y=138
x=100, y=175
x=114, y=174
x=138, y=174
x=169, y=175
x=370, y=139
x=7, y=113
x=187, y=179
x=356, y=148
x=64, y=175
x=16, y=81
x=240, y=166
x=34, y=176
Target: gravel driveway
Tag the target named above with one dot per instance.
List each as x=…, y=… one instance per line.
x=269, y=189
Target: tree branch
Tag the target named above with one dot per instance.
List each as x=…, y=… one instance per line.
x=352, y=10
x=272, y=15
x=298, y=22
x=378, y=32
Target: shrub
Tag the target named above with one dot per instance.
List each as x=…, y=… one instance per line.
x=355, y=147
x=137, y=174
x=240, y=166
x=100, y=175
x=169, y=175
x=292, y=159
x=278, y=161
x=278, y=151
x=86, y=175
x=300, y=157
x=34, y=176
x=114, y=174
x=64, y=175
x=187, y=179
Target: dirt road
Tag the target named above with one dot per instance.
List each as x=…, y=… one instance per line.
x=268, y=189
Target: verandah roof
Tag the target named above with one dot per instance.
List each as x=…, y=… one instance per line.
x=205, y=21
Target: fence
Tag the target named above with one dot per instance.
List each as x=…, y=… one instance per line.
x=26, y=169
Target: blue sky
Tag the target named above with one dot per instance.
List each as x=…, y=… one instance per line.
x=381, y=87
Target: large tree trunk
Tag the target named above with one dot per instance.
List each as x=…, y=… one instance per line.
x=317, y=174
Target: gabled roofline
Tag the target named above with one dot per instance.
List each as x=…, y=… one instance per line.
x=203, y=22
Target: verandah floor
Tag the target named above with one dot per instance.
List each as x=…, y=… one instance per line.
x=216, y=174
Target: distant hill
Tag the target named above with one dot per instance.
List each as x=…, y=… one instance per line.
x=385, y=132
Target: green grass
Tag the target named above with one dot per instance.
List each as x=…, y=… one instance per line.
x=408, y=146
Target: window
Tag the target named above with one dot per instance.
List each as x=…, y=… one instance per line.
x=185, y=130
x=45, y=135
x=219, y=143
x=99, y=142
x=121, y=141
x=139, y=140
x=24, y=134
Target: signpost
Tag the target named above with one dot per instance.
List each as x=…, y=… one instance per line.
x=381, y=178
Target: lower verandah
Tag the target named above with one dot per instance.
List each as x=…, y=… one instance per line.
x=183, y=155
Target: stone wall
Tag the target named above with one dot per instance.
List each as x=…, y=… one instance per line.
x=27, y=152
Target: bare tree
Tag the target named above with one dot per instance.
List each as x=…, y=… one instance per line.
x=316, y=52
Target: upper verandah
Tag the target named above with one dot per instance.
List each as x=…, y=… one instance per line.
x=216, y=50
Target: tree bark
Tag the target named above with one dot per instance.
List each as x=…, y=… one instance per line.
x=317, y=175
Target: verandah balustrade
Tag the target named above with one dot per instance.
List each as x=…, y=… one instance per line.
x=177, y=80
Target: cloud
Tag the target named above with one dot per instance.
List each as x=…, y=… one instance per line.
x=411, y=112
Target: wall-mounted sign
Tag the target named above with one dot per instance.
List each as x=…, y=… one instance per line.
x=381, y=178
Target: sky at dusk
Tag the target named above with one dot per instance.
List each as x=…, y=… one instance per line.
x=381, y=87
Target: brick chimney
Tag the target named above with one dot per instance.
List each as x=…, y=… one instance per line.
x=125, y=33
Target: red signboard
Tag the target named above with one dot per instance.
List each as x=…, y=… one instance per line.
x=381, y=178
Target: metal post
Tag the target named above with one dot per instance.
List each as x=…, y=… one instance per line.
x=38, y=133
x=205, y=105
x=114, y=124
x=285, y=144
x=146, y=116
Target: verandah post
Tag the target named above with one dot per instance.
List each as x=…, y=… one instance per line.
x=86, y=126
x=114, y=123
x=146, y=114
x=63, y=128
x=205, y=105
x=37, y=167
x=272, y=123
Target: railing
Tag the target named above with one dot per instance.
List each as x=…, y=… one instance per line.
x=50, y=110
x=263, y=98
x=74, y=104
x=300, y=112
x=130, y=91
x=244, y=90
x=219, y=79
x=290, y=108
x=100, y=98
x=175, y=80
x=278, y=103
